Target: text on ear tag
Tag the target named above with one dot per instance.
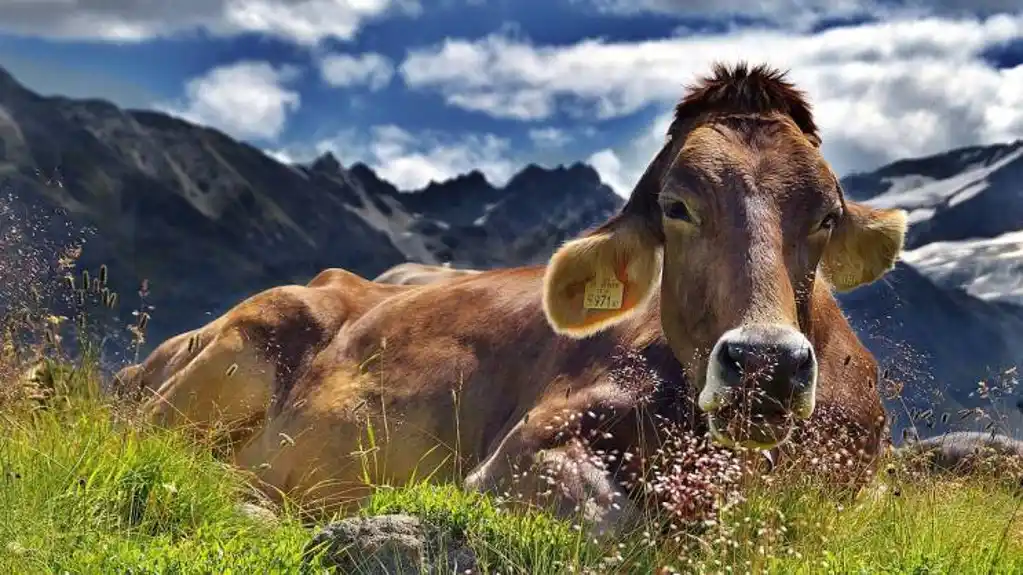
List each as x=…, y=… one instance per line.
x=603, y=292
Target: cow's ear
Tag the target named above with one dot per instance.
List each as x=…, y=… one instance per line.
x=596, y=281
x=864, y=245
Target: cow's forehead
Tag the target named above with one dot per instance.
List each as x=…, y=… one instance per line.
x=770, y=158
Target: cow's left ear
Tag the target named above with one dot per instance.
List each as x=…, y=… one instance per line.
x=864, y=245
x=598, y=280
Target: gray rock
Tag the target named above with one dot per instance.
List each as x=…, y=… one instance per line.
x=257, y=513
x=963, y=451
x=388, y=544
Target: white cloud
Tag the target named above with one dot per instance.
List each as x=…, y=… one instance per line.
x=549, y=137
x=302, y=21
x=283, y=156
x=790, y=13
x=609, y=166
x=802, y=14
x=411, y=161
x=880, y=90
x=370, y=69
x=621, y=169
x=246, y=99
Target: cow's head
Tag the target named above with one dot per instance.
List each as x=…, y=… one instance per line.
x=738, y=216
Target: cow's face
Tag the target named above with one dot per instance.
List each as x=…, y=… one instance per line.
x=749, y=212
x=738, y=216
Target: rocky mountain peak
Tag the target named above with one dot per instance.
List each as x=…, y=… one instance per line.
x=327, y=163
x=472, y=181
x=209, y=220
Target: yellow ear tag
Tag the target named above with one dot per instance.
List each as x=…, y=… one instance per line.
x=603, y=292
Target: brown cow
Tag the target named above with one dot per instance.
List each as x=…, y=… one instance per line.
x=411, y=273
x=707, y=301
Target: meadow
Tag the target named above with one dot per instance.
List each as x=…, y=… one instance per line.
x=86, y=489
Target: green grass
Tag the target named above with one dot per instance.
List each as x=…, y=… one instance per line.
x=85, y=492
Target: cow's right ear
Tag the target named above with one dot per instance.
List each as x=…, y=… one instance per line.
x=598, y=280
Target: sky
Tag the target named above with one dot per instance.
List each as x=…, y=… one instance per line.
x=423, y=90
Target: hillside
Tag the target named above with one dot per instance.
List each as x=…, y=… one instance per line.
x=209, y=220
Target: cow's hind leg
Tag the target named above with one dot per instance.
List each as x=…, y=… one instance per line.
x=225, y=381
x=566, y=479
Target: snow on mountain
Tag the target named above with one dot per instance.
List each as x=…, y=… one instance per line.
x=924, y=196
x=990, y=269
x=966, y=236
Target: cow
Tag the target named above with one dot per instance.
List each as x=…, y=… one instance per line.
x=706, y=301
x=411, y=273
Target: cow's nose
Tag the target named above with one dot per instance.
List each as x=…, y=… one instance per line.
x=783, y=362
x=776, y=361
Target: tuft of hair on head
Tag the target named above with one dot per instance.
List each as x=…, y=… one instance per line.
x=741, y=89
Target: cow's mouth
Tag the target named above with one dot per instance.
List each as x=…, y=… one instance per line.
x=733, y=426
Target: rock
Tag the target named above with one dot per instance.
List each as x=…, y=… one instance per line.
x=966, y=452
x=388, y=544
x=257, y=513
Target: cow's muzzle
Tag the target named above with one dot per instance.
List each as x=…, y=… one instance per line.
x=760, y=380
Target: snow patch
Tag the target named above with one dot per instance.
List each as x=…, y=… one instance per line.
x=487, y=208
x=903, y=183
x=987, y=268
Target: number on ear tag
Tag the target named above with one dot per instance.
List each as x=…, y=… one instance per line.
x=603, y=292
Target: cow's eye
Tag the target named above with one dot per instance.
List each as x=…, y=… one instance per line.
x=830, y=221
x=678, y=211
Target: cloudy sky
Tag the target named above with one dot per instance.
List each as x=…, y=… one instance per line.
x=425, y=89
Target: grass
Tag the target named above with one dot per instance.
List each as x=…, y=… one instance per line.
x=84, y=490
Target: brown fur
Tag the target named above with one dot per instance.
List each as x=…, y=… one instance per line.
x=473, y=377
x=284, y=324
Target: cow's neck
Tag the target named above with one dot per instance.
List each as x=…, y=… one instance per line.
x=673, y=396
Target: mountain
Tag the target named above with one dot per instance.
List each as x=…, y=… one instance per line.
x=209, y=220
x=950, y=315
x=469, y=222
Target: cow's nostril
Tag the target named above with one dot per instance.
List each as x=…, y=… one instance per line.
x=735, y=354
x=774, y=359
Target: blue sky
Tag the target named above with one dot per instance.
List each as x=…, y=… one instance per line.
x=425, y=89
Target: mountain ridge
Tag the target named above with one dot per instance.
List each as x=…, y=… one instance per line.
x=209, y=220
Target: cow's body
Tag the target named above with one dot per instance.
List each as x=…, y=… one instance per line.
x=471, y=367
x=313, y=442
